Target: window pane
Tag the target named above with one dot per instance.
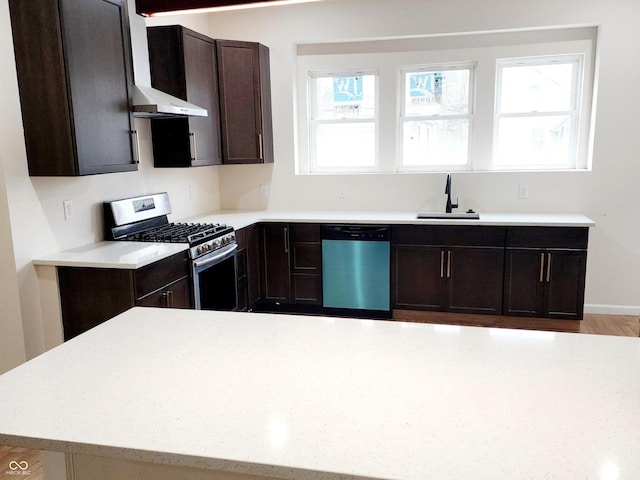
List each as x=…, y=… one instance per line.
x=345, y=145
x=437, y=93
x=537, y=88
x=345, y=97
x=435, y=143
x=535, y=141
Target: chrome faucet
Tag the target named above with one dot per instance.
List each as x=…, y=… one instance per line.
x=447, y=190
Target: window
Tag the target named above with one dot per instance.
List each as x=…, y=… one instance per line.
x=435, y=117
x=536, y=117
x=343, y=127
x=478, y=102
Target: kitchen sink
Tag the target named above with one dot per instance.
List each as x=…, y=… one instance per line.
x=450, y=216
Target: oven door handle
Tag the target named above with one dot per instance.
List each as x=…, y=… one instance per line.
x=214, y=257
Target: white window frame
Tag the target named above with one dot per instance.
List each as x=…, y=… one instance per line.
x=574, y=112
x=402, y=118
x=483, y=49
x=315, y=122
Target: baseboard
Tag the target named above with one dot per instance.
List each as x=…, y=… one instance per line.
x=612, y=309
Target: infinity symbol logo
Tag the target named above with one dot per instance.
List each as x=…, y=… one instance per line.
x=13, y=465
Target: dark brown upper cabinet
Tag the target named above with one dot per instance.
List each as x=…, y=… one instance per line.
x=73, y=59
x=245, y=102
x=183, y=64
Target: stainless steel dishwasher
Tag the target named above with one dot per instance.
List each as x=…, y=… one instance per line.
x=355, y=267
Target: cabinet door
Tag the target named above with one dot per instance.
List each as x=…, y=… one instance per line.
x=474, y=280
x=174, y=295
x=245, y=102
x=183, y=63
x=98, y=61
x=305, y=259
x=241, y=273
x=523, y=282
x=253, y=265
x=78, y=120
x=156, y=276
x=91, y=296
x=417, y=277
x=565, y=281
x=275, y=263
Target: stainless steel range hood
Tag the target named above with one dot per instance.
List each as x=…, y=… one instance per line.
x=149, y=102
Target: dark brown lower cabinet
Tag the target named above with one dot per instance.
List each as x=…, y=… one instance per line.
x=305, y=263
x=451, y=268
x=248, y=267
x=275, y=285
x=545, y=270
x=454, y=279
x=91, y=296
x=291, y=263
x=545, y=283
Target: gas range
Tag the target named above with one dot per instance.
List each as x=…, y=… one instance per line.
x=145, y=219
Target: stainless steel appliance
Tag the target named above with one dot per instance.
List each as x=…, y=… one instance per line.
x=355, y=267
x=212, y=247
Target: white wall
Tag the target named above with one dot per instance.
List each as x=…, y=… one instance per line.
x=610, y=194
x=32, y=219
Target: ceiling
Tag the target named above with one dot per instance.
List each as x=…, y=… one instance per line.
x=151, y=7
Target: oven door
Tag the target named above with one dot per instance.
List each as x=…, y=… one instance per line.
x=214, y=280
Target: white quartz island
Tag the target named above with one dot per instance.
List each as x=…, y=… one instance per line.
x=177, y=394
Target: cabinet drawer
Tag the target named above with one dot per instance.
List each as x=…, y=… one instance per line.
x=155, y=276
x=548, y=237
x=449, y=235
x=306, y=257
x=175, y=295
x=306, y=289
x=304, y=232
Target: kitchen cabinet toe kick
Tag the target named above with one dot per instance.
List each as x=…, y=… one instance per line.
x=480, y=320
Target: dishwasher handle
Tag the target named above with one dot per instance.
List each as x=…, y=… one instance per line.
x=380, y=233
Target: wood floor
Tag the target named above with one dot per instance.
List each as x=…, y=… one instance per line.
x=17, y=462
x=620, y=325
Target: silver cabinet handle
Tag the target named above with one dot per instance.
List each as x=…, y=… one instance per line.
x=541, y=267
x=163, y=300
x=136, y=143
x=286, y=239
x=260, y=149
x=449, y=264
x=194, y=146
x=442, y=264
x=548, y=267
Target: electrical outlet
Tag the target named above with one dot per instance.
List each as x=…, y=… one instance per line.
x=523, y=191
x=342, y=191
x=68, y=209
x=263, y=191
x=192, y=192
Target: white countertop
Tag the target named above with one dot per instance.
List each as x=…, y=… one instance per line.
x=322, y=398
x=120, y=254
x=130, y=255
x=240, y=219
